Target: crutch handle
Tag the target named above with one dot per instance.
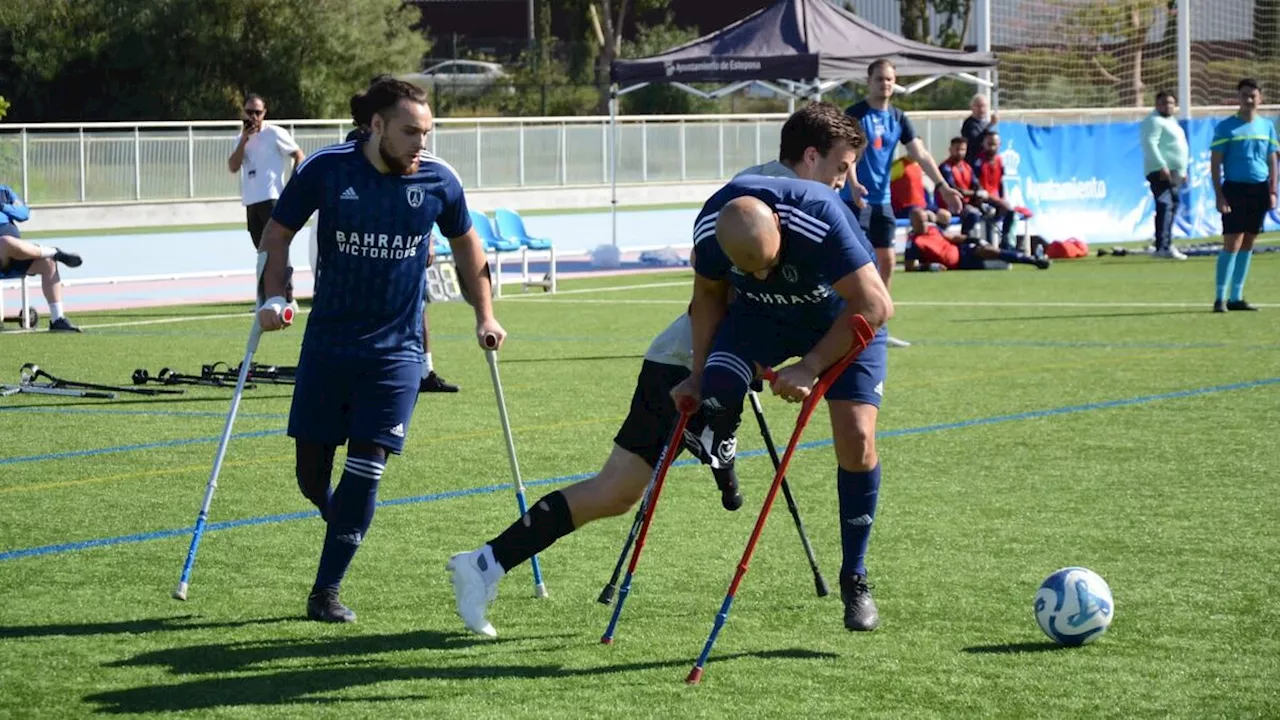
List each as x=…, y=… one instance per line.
x=490, y=341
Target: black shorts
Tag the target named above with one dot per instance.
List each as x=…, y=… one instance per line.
x=879, y=224
x=1249, y=205
x=257, y=216
x=653, y=413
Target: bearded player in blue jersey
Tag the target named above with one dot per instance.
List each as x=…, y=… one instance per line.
x=358, y=373
x=801, y=269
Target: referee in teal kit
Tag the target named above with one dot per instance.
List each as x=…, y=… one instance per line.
x=1245, y=149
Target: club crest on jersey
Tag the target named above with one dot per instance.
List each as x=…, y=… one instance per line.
x=790, y=274
x=415, y=194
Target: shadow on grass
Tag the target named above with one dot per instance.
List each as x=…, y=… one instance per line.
x=129, y=627
x=1014, y=648
x=243, y=656
x=304, y=685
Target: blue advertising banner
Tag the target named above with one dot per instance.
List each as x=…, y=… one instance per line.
x=1086, y=181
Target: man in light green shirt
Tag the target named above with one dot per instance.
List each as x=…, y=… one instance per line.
x=1164, y=159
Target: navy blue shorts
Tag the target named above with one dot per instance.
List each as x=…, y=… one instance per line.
x=15, y=269
x=767, y=341
x=969, y=259
x=878, y=223
x=337, y=399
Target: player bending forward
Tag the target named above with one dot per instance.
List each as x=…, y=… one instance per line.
x=801, y=268
x=819, y=143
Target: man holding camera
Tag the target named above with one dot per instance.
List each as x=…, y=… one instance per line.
x=259, y=157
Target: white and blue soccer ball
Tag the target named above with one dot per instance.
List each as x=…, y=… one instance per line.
x=1073, y=606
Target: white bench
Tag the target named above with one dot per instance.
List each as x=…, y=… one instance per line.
x=24, y=319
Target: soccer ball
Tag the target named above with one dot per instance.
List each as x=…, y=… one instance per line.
x=1073, y=606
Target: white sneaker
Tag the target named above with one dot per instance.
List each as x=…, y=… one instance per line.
x=470, y=593
x=1172, y=253
x=896, y=342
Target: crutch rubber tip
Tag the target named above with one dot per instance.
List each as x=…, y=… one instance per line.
x=820, y=584
x=695, y=676
x=606, y=640
x=180, y=592
x=540, y=591
x=606, y=595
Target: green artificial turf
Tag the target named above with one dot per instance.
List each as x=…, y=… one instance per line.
x=1095, y=414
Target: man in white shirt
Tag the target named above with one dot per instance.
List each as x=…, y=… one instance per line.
x=259, y=157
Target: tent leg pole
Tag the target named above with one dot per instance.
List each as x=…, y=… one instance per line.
x=613, y=161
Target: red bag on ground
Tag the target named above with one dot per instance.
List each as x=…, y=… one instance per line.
x=1067, y=249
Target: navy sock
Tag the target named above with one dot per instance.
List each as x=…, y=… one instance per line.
x=1013, y=256
x=546, y=522
x=858, y=491
x=349, y=515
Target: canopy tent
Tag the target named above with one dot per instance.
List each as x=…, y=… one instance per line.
x=798, y=48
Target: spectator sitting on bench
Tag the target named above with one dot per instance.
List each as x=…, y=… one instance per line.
x=988, y=170
x=19, y=257
x=959, y=175
x=906, y=192
x=929, y=249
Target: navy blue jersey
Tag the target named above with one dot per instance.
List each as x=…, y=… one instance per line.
x=821, y=243
x=372, y=236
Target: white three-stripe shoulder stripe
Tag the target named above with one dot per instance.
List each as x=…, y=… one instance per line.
x=427, y=157
x=339, y=149
x=705, y=227
x=803, y=223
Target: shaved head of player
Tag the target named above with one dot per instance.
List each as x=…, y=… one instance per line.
x=749, y=233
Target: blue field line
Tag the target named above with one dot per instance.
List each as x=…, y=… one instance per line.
x=130, y=448
x=487, y=489
x=56, y=409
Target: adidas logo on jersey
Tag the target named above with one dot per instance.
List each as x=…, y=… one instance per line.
x=398, y=430
x=349, y=194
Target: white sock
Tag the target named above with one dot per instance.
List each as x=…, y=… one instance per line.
x=427, y=367
x=55, y=311
x=48, y=252
x=490, y=570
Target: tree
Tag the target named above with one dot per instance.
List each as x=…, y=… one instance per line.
x=1120, y=26
x=953, y=11
x=190, y=59
x=915, y=20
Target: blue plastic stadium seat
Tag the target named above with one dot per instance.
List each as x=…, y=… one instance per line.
x=443, y=249
x=511, y=227
x=491, y=240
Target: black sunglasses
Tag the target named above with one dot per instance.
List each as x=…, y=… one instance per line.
x=254, y=112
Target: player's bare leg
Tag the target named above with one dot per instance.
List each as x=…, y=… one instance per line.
x=853, y=427
x=611, y=492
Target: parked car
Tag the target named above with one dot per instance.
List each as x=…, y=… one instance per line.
x=467, y=77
